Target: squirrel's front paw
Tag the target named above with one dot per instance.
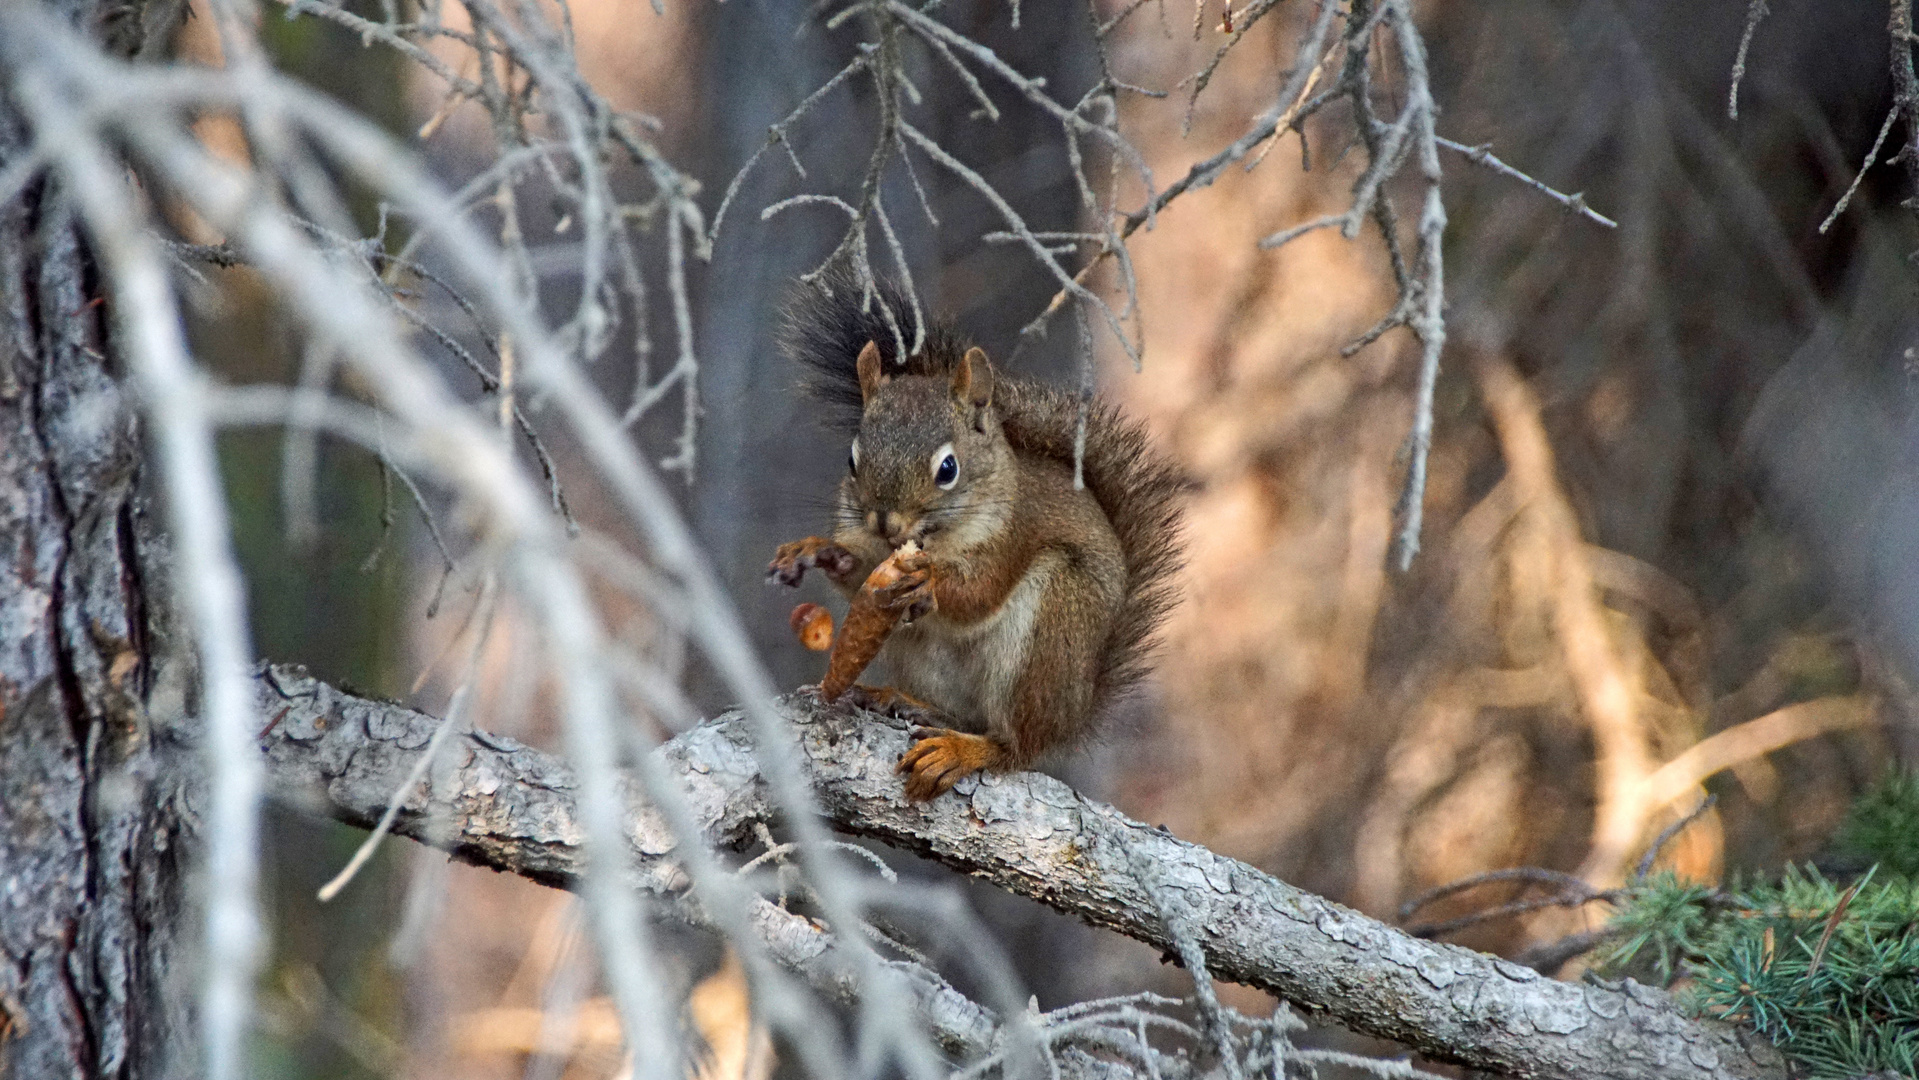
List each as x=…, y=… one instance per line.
x=791, y=561
x=912, y=592
x=941, y=758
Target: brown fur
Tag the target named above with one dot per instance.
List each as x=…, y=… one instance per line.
x=1044, y=597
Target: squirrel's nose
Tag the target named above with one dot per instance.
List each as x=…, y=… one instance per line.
x=894, y=525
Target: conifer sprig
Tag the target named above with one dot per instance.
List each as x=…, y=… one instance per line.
x=1826, y=968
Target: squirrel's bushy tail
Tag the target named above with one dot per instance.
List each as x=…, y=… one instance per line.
x=1139, y=491
x=827, y=325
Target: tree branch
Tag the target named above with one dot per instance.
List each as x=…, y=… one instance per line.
x=1026, y=833
x=512, y=808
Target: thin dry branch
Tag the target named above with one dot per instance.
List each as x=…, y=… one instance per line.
x=1574, y=203
x=1743, y=742
x=1756, y=12
x=1603, y=683
x=1905, y=93
x=1872, y=158
x=1528, y=875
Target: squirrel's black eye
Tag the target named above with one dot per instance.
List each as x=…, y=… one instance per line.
x=945, y=467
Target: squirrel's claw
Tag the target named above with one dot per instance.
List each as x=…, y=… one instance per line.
x=897, y=704
x=942, y=758
x=790, y=561
x=913, y=591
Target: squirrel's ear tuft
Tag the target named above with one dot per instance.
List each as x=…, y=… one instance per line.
x=869, y=367
x=973, y=379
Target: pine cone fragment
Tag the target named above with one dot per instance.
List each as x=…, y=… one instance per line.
x=892, y=588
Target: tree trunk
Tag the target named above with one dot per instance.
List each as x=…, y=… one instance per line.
x=92, y=814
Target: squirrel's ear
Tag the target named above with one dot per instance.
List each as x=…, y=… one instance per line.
x=869, y=367
x=973, y=379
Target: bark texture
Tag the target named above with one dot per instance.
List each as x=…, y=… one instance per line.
x=93, y=820
x=1026, y=833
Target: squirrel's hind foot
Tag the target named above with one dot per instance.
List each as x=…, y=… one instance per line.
x=941, y=758
x=897, y=704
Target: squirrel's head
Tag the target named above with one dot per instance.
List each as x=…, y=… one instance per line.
x=930, y=462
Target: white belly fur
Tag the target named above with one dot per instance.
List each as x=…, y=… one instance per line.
x=969, y=672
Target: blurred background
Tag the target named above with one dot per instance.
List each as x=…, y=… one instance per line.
x=1678, y=456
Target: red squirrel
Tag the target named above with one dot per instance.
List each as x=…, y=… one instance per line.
x=1042, y=595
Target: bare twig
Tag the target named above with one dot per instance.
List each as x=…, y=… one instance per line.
x=1576, y=203
x=1905, y=93
x=1550, y=956
x=1425, y=306
x=1872, y=158
x=1756, y=12
x=1531, y=875
x=1569, y=891
x=1743, y=742
x=1667, y=834
x=463, y=692
x=1602, y=682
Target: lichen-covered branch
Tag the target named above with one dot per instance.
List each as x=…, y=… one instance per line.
x=1025, y=833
